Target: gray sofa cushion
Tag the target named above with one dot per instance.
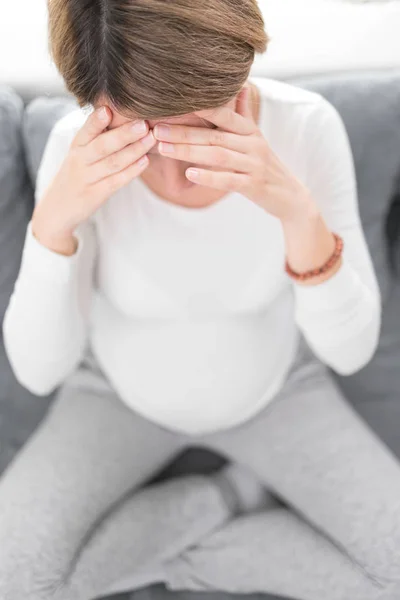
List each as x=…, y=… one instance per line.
x=20, y=412
x=158, y=592
x=15, y=192
x=39, y=117
x=369, y=104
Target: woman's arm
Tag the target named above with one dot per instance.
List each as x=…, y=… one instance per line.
x=340, y=314
x=46, y=322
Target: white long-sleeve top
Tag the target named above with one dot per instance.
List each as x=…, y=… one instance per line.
x=189, y=311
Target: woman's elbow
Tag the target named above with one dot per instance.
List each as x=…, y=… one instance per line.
x=41, y=377
x=38, y=381
x=360, y=350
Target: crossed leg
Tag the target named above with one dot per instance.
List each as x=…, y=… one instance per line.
x=338, y=537
x=73, y=521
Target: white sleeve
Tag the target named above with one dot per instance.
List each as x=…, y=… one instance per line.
x=46, y=322
x=341, y=317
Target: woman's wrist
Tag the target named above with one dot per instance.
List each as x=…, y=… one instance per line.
x=64, y=243
x=309, y=243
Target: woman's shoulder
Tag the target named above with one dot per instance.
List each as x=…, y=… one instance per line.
x=292, y=116
x=288, y=106
x=296, y=122
x=285, y=93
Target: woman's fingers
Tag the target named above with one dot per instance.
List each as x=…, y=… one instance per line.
x=97, y=143
x=118, y=161
x=229, y=120
x=210, y=156
x=111, y=184
x=94, y=125
x=114, y=140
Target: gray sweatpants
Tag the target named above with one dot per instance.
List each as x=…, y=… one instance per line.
x=75, y=521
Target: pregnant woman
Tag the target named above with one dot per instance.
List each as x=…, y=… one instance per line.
x=194, y=264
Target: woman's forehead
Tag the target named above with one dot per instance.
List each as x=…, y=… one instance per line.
x=190, y=119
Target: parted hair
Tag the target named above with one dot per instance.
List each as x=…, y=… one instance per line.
x=155, y=58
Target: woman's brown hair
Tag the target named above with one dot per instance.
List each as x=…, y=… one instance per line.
x=155, y=58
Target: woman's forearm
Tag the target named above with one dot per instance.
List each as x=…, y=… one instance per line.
x=45, y=327
x=309, y=243
x=341, y=317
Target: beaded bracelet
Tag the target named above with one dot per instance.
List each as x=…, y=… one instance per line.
x=328, y=265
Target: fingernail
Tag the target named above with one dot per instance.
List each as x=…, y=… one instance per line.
x=162, y=131
x=143, y=161
x=139, y=127
x=192, y=173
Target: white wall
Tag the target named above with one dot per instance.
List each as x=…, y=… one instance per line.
x=320, y=36
x=308, y=37
x=24, y=59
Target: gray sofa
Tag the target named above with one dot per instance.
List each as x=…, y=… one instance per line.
x=369, y=103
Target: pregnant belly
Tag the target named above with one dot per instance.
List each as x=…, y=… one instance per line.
x=195, y=376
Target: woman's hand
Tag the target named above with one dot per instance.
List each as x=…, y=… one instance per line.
x=98, y=163
x=245, y=161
